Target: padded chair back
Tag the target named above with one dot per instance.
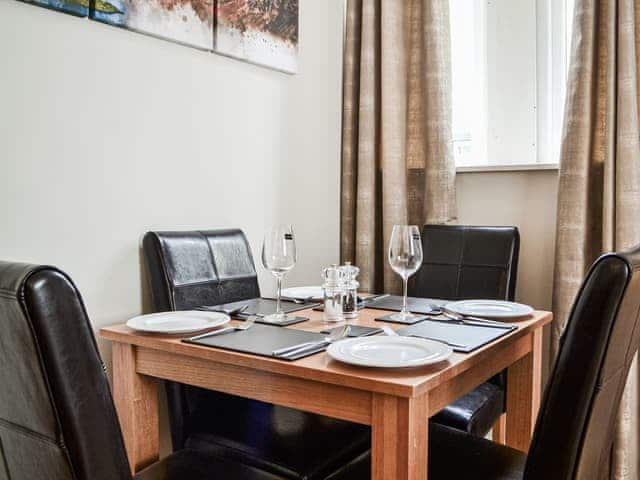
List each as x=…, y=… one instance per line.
x=190, y=269
x=57, y=419
x=186, y=270
x=464, y=262
x=575, y=427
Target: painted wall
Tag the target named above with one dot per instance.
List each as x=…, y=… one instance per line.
x=105, y=134
x=526, y=199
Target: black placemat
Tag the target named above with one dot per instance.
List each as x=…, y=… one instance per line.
x=261, y=306
x=472, y=336
x=357, y=331
x=262, y=340
x=414, y=304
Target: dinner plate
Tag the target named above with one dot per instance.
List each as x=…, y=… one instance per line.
x=315, y=293
x=490, y=308
x=177, y=322
x=389, y=352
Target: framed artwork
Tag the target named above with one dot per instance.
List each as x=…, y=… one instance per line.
x=264, y=32
x=79, y=8
x=189, y=22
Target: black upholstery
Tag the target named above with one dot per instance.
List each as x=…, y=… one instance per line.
x=455, y=455
x=57, y=419
x=475, y=412
x=575, y=425
x=464, y=262
x=189, y=269
x=467, y=262
x=194, y=465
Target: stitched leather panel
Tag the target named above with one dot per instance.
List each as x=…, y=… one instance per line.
x=70, y=420
x=475, y=412
x=463, y=262
x=31, y=456
x=193, y=465
x=575, y=426
x=19, y=362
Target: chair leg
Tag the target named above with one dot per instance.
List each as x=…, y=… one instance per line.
x=498, y=433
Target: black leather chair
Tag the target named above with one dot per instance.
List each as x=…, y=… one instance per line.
x=465, y=262
x=57, y=419
x=189, y=269
x=575, y=426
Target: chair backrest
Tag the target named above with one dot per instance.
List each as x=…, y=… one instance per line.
x=575, y=427
x=189, y=269
x=464, y=262
x=186, y=270
x=57, y=418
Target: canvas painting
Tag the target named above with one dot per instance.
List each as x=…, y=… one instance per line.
x=259, y=31
x=184, y=21
x=79, y=8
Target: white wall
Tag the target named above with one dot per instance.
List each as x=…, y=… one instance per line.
x=526, y=199
x=105, y=134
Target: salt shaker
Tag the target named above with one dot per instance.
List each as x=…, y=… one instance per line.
x=350, y=294
x=333, y=288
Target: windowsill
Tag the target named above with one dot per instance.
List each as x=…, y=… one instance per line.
x=508, y=168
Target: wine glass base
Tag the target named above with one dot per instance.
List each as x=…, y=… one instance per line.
x=403, y=316
x=276, y=318
x=404, y=319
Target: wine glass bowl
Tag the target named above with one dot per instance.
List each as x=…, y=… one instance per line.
x=405, y=258
x=279, y=257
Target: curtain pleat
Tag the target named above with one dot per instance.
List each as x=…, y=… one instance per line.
x=599, y=187
x=397, y=158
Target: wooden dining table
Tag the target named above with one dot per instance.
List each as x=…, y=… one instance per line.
x=396, y=403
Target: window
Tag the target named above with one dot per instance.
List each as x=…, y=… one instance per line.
x=509, y=67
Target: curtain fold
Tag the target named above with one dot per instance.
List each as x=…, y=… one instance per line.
x=397, y=159
x=599, y=188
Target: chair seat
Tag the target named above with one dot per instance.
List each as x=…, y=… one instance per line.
x=287, y=442
x=192, y=465
x=455, y=455
x=474, y=413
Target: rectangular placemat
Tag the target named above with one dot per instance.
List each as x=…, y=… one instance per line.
x=262, y=340
x=414, y=304
x=261, y=306
x=471, y=336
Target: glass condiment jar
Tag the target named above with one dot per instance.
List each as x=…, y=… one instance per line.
x=350, y=290
x=333, y=288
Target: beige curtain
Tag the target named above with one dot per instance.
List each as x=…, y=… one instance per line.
x=599, y=191
x=397, y=161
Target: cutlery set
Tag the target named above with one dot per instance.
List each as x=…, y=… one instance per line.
x=356, y=349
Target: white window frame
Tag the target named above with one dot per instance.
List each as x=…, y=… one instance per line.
x=553, y=24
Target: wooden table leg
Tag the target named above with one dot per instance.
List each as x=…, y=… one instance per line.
x=399, y=437
x=499, y=430
x=523, y=395
x=136, y=400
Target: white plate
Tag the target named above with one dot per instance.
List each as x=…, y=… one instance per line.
x=389, y=352
x=315, y=293
x=177, y=322
x=490, y=308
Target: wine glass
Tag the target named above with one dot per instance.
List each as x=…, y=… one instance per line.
x=405, y=258
x=278, y=256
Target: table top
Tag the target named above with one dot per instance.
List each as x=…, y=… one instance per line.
x=320, y=367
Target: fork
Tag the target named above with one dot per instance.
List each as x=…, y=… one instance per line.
x=392, y=333
x=334, y=336
x=227, y=311
x=248, y=323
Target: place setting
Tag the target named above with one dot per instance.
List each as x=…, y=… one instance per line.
x=432, y=328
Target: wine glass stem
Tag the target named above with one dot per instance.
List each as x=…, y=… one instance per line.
x=404, y=295
x=278, y=294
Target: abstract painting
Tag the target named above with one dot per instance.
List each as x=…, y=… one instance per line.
x=79, y=8
x=184, y=21
x=259, y=31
